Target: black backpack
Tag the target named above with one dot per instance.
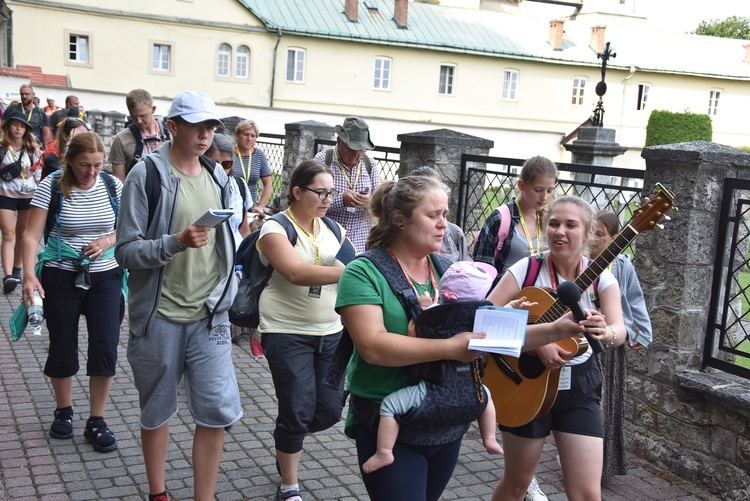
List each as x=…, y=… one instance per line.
x=245, y=311
x=163, y=136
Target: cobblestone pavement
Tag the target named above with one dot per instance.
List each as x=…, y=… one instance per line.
x=36, y=467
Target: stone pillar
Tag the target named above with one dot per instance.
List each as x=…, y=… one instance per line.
x=299, y=145
x=675, y=411
x=442, y=149
x=595, y=146
x=107, y=124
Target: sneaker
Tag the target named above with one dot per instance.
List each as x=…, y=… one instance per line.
x=161, y=497
x=99, y=435
x=290, y=495
x=62, y=426
x=256, y=348
x=9, y=283
x=534, y=492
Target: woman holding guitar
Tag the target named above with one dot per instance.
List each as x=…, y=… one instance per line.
x=575, y=417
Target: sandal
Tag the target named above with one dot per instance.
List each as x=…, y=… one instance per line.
x=62, y=426
x=99, y=435
x=282, y=496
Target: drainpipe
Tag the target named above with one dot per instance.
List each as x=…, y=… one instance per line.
x=622, y=107
x=273, y=74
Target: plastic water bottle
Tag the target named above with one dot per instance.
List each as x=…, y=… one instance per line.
x=238, y=270
x=36, y=314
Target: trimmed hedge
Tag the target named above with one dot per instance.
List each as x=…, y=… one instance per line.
x=665, y=127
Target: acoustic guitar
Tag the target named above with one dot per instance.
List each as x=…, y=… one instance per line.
x=524, y=388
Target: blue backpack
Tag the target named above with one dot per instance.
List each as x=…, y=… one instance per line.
x=245, y=311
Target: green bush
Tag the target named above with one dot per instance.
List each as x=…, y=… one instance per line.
x=665, y=127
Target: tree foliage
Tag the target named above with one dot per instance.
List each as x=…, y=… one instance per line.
x=731, y=27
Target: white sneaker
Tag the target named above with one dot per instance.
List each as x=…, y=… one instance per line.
x=534, y=492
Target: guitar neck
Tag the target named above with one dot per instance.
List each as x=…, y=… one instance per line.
x=592, y=271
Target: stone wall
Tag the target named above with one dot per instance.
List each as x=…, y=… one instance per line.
x=695, y=422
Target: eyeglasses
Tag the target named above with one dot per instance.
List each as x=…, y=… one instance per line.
x=322, y=194
x=227, y=164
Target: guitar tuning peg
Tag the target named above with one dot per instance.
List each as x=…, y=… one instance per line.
x=675, y=209
x=660, y=226
x=647, y=200
x=667, y=218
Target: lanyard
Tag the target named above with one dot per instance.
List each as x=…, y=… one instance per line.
x=28, y=118
x=414, y=283
x=313, y=237
x=553, y=272
x=246, y=168
x=346, y=175
x=526, y=231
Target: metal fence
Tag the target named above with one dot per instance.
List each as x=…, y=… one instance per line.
x=488, y=182
x=273, y=146
x=727, y=344
x=388, y=158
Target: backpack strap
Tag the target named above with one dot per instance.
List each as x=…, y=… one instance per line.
x=55, y=204
x=133, y=128
x=504, y=229
x=333, y=226
x=329, y=157
x=532, y=271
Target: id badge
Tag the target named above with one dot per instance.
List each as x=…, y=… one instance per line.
x=315, y=291
x=565, y=375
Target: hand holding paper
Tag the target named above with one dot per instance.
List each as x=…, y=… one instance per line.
x=213, y=217
x=505, y=328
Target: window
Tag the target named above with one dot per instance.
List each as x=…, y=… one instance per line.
x=579, y=83
x=382, y=78
x=78, y=48
x=643, y=96
x=510, y=84
x=295, y=65
x=713, y=101
x=242, y=64
x=447, y=79
x=223, y=60
x=161, y=58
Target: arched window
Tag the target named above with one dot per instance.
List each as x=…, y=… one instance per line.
x=242, y=64
x=223, y=61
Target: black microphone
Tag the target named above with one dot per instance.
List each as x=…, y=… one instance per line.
x=569, y=295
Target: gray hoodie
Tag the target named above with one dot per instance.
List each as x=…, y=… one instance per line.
x=145, y=251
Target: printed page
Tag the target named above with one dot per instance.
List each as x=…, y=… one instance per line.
x=213, y=217
x=505, y=328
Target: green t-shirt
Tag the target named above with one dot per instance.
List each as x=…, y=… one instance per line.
x=362, y=283
x=191, y=275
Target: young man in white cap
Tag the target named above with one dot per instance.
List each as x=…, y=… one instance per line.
x=178, y=302
x=355, y=177
x=51, y=106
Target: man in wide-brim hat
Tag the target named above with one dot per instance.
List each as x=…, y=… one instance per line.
x=355, y=177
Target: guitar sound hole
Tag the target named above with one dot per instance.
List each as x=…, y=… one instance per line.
x=530, y=366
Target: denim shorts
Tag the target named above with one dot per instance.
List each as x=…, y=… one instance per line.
x=170, y=351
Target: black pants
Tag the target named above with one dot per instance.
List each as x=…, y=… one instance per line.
x=298, y=365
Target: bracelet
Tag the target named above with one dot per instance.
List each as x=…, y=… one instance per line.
x=180, y=244
x=614, y=335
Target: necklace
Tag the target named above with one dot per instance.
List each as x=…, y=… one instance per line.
x=430, y=278
x=526, y=231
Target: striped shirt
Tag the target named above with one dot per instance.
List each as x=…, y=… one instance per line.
x=88, y=215
x=258, y=168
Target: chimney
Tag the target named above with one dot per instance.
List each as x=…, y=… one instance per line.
x=597, y=38
x=350, y=9
x=556, y=34
x=747, y=53
x=400, y=13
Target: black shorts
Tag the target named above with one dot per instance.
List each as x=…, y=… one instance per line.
x=15, y=204
x=576, y=411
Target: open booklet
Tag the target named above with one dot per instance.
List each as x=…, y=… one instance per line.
x=505, y=328
x=213, y=217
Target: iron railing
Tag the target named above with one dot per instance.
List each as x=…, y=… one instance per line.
x=727, y=343
x=273, y=145
x=488, y=182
